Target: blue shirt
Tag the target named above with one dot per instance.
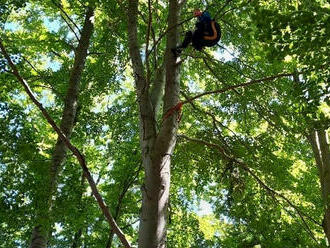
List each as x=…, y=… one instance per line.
x=205, y=17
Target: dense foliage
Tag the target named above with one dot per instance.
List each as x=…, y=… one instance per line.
x=243, y=154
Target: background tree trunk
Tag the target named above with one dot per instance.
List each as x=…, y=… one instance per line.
x=319, y=140
x=41, y=230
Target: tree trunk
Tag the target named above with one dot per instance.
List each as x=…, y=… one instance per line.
x=156, y=147
x=41, y=230
x=320, y=144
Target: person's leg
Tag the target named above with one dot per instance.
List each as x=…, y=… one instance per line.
x=197, y=39
x=187, y=40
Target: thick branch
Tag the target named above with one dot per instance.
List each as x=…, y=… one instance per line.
x=71, y=147
x=147, y=117
x=148, y=34
x=157, y=88
x=167, y=135
x=313, y=140
x=134, y=48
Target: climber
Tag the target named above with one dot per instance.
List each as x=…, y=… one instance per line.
x=207, y=33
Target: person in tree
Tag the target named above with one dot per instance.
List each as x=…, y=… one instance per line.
x=206, y=34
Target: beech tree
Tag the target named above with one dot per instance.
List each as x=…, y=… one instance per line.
x=240, y=129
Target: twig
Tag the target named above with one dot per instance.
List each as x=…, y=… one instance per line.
x=72, y=30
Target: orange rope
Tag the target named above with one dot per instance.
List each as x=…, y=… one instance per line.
x=215, y=33
x=177, y=108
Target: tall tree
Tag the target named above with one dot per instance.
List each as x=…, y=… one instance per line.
x=319, y=140
x=241, y=152
x=43, y=220
x=156, y=146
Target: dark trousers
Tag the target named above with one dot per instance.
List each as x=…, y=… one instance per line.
x=196, y=38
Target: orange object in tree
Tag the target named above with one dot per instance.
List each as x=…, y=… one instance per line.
x=177, y=108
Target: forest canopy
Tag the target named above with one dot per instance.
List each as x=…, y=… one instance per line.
x=109, y=139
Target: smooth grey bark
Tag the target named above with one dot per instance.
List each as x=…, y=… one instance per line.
x=157, y=89
x=41, y=230
x=319, y=140
x=156, y=147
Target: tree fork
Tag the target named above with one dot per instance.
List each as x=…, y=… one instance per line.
x=155, y=146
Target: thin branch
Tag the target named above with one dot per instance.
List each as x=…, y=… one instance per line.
x=238, y=70
x=256, y=81
x=275, y=193
x=182, y=2
x=238, y=93
x=166, y=31
x=224, y=13
x=147, y=41
x=67, y=16
x=72, y=30
x=238, y=59
x=258, y=107
x=223, y=7
x=57, y=54
x=43, y=78
x=72, y=148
